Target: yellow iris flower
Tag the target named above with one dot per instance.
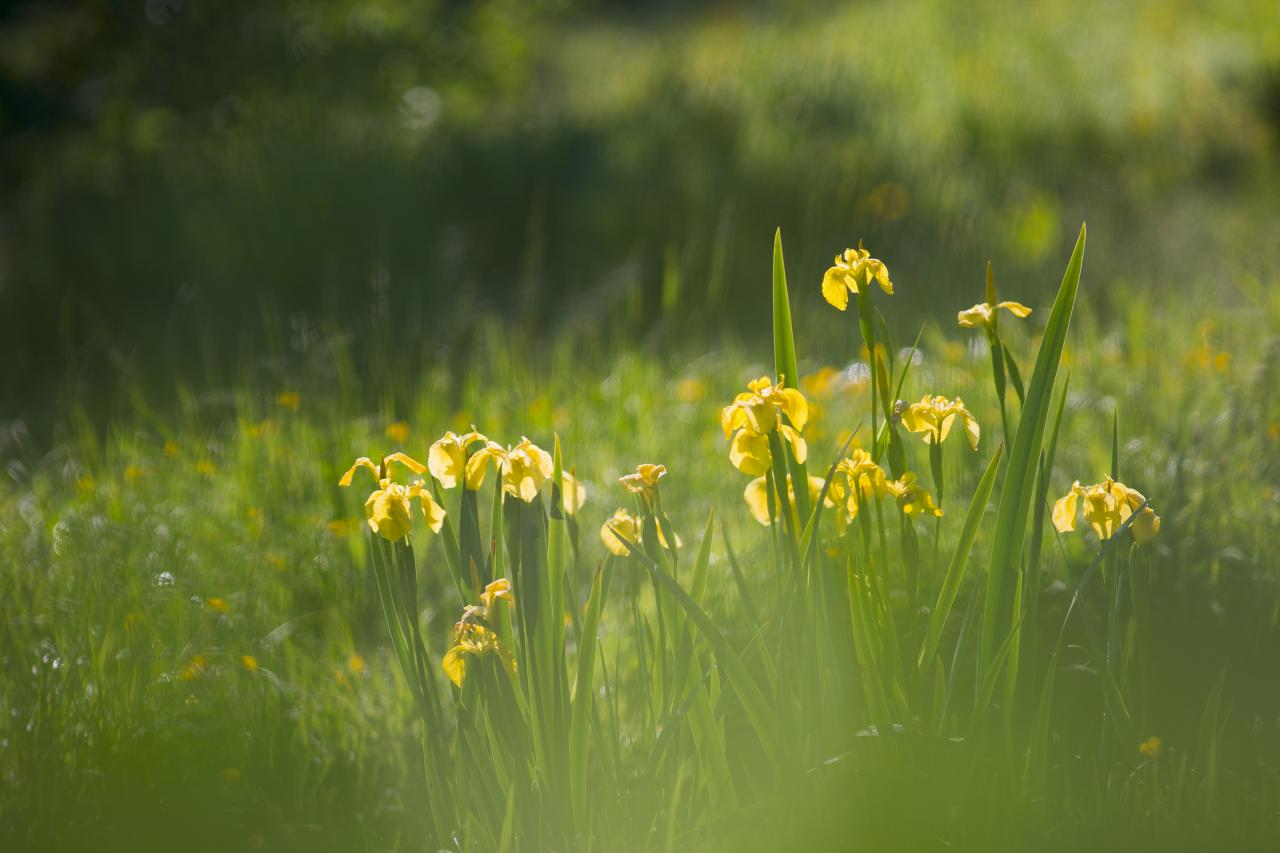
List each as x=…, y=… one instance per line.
x=757, y=496
x=499, y=590
x=854, y=270
x=754, y=414
x=1106, y=506
x=645, y=479
x=934, y=416
x=525, y=467
x=983, y=315
x=447, y=460
x=913, y=499
x=859, y=479
x=389, y=508
x=472, y=641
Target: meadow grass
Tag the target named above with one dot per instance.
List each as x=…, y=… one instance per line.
x=203, y=640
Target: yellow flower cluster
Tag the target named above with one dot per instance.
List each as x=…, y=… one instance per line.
x=1106, y=506
x=755, y=414
x=643, y=482
x=859, y=480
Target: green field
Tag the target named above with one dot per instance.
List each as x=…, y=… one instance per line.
x=206, y=647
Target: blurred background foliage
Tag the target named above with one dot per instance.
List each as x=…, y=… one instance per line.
x=197, y=186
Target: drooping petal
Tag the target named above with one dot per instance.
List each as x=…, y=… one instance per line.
x=750, y=454
x=799, y=449
x=795, y=407
x=433, y=512
x=407, y=461
x=455, y=664
x=1017, y=309
x=971, y=430
x=836, y=285
x=447, y=461
x=756, y=495
x=362, y=462
x=1064, y=511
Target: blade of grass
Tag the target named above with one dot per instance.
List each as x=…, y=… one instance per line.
x=1015, y=497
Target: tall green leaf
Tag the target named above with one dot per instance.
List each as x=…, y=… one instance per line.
x=1015, y=496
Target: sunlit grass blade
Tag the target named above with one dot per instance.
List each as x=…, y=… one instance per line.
x=583, y=696
x=1015, y=497
x=784, y=361
x=959, y=562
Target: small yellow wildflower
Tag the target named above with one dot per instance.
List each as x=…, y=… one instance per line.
x=339, y=527
x=762, y=409
x=1151, y=747
x=983, y=315
x=853, y=271
x=1107, y=505
x=249, y=662
x=195, y=668
x=912, y=498
x=823, y=383
x=133, y=473
x=355, y=664
x=757, y=496
x=218, y=605
x=389, y=508
x=86, y=485
x=473, y=641
x=934, y=416
x=691, y=390
x=398, y=432
x=205, y=467
x=290, y=400
x=172, y=450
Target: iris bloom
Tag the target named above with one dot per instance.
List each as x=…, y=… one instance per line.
x=912, y=498
x=1106, y=506
x=754, y=414
x=757, y=496
x=629, y=528
x=983, y=315
x=499, y=590
x=525, y=467
x=854, y=270
x=934, y=416
x=389, y=508
x=447, y=460
x=472, y=641
x=645, y=479
x=859, y=479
